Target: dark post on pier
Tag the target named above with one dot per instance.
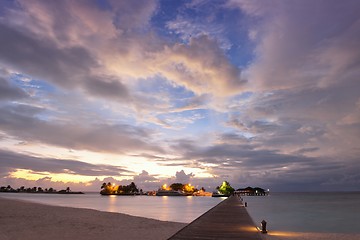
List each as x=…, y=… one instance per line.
x=227, y=220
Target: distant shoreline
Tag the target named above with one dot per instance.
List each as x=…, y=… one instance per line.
x=59, y=192
x=24, y=189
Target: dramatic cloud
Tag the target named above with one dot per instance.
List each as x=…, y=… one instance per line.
x=12, y=161
x=257, y=93
x=22, y=122
x=43, y=59
x=297, y=51
x=201, y=67
x=110, y=88
x=8, y=92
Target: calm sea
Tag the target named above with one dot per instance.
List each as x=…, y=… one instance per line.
x=337, y=212
x=298, y=212
x=175, y=209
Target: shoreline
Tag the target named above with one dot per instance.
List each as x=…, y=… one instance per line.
x=21, y=219
x=28, y=220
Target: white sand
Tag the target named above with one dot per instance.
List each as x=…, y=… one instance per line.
x=25, y=220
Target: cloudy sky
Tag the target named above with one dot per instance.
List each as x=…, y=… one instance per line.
x=259, y=93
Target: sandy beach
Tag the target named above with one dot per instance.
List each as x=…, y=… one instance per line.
x=33, y=221
x=24, y=220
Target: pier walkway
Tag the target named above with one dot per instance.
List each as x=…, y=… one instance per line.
x=227, y=220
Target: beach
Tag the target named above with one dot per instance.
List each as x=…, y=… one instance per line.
x=27, y=220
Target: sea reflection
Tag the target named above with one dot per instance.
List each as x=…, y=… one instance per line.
x=286, y=235
x=166, y=208
x=165, y=212
x=112, y=205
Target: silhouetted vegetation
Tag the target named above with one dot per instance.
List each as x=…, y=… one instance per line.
x=112, y=189
x=23, y=189
x=177, y=186
x=185, y=188
x=180, y=189
x=7, y=189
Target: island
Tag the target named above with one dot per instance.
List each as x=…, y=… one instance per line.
x=180, y=189
x=175, y=189
x=50, y=190
x=126, y=190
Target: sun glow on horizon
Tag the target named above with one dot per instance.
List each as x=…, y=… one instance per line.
x=54, y=177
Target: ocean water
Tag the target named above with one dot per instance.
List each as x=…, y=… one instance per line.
x=175, y=209
x=294, y=212
x=337, y=212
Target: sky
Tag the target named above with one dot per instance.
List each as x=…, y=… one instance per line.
x=256, y=93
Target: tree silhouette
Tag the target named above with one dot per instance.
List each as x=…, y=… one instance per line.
x=112, y=189
x=177, y=186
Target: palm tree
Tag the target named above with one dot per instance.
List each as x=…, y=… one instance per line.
x=133, y=188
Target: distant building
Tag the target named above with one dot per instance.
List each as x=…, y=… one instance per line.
x=249, y=191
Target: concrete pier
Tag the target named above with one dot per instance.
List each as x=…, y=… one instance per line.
x=227, y=220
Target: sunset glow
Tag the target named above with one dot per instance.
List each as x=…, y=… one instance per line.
x=153, y=91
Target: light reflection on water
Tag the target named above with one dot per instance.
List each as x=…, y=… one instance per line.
x=307, y=212
x=112, y=204
x=176, y=209
x=284, y=212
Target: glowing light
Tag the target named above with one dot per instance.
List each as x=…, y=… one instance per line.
x=63, y=177
x=248, y=228
x=284, y=234
x=165, y=187
x=189, y=188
